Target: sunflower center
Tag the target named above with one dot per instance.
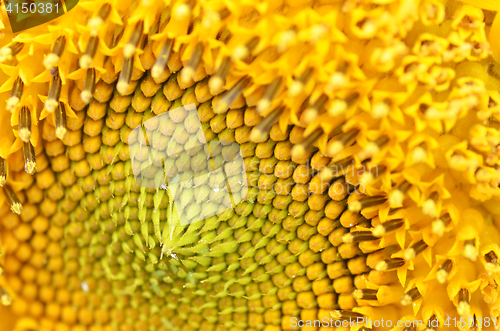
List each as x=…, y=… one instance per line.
x=156, y=212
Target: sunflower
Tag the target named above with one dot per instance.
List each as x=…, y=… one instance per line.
x=251, y=165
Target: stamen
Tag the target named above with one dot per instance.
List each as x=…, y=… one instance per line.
x=88, y=86
x=90, y=50
x=410, y=297
x=343, y=163
x=241, y=52
x=439, y=225
x=312, y=112
x=463, y=307
x=392, y=211
x=299, y=84
x=373, y=148
x=8, y=52
x=54, y=93
x=491, y=257
x=223, y=13
x=474, y=322
x=224, y=35
x=229, y=96
x=162, y=59
x=133, y=42
x=429, y=208
x=189, y=71
x=345, y=315
x=339, y=106
x=261, y=131
x=298, y=151
x=125, y=76
x=286, y=39
x=419, y=154
x=117, y=36
x=381, y=229
x=396, y=197
x=358, y=236
x=96, y=22
x=413, y=251
x=390, y=264
x=459, y=162
x=333, y=169
x=25, y=124
x=29, y=158
x=3, y=172
x=368, y=177
x=470, y=250
x=339, y=78
x=60, y=121
x=338, y=143
x=13, y=200
x=443, y=271
x=15, y=95
x=5, y=298
x=52, y=59
x=482, y=175
x=182, y=11
x=380, y=109
x=365, y=294
x=433, y=323
x=269, y=95
x=217, y=81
